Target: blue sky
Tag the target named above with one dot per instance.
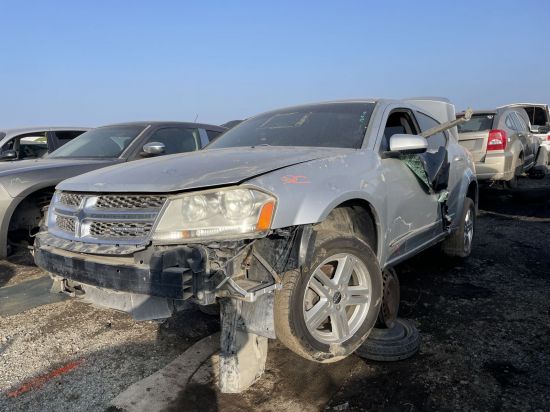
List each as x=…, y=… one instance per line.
x=98, y=62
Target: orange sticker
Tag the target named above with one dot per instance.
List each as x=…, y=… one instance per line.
x=295, y=180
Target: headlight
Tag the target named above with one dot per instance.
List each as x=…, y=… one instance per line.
x=216, y=214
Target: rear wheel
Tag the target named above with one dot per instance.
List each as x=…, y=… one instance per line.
x=460, y=242
x=325, y=311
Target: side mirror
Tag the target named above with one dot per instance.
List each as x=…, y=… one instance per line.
x=8, y=155
x=408, y=144
x=153, y=149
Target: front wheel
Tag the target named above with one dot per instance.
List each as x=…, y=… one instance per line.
x=460, y=242
x=325, y=311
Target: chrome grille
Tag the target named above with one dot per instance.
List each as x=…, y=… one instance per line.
x=109, y=219
x=120, y=229
x=71, y=199
x=66, y=224
x=130, y=201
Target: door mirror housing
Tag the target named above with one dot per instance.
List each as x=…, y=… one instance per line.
x=8, y=155
x=408, y=144
x=153, y=149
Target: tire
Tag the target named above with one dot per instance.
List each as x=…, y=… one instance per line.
x=458, y=244
x=391, y=296
x=389, y=345
x=327, y=342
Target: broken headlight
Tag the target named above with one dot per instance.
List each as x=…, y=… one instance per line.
x=215, y=214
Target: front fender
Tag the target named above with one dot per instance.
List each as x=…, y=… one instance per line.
x=308, y=192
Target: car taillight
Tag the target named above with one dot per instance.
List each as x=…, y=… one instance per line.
x=548, y=137
x=497, y=140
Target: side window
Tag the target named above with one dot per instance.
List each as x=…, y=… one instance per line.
x=64, y=136
x=30, y=146
x=437, y=140
x=397, y=123
x=540, y=117
x=212, y=134
x=176, y=139
x=522, y=127
x=509, y=121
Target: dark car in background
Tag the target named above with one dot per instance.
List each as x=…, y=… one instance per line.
x=35, y=142
x=27, y=186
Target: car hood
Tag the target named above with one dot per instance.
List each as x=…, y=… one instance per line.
x=18, y=176
x=202, y=169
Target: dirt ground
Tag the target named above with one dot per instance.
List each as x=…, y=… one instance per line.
x=484, y=321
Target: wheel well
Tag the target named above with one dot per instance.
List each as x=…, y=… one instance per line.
x=357, y=217
x=26, y=216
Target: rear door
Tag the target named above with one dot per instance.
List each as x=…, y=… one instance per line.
x=473, y=134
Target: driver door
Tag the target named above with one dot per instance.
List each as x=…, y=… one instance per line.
x=413, y=212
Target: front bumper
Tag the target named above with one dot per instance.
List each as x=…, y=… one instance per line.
x=176, y=273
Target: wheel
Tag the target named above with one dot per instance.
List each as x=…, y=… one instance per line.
x=326, y=310
x=388, y=345
x=391, y=295
x=460, y=242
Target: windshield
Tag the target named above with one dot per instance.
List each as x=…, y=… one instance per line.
x=478, y=123
x=103, y=142
x=321, y=125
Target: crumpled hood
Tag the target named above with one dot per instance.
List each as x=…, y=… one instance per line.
x=17, y=176
x=206, y=168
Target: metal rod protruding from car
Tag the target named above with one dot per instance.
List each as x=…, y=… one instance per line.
x=447, y=125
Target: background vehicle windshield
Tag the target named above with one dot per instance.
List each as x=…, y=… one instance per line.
x=323, y=125
x=103, y=142
x=478, y=123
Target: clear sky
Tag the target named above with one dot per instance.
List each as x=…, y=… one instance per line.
x=96, y=62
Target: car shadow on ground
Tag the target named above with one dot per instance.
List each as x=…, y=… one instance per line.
x=6, y=273
x=20, y=264
x=530, y=200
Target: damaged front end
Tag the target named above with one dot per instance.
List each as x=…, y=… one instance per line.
x=152, y=280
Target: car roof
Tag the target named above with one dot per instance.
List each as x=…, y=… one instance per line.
x=523, y=104
x=169, y=123
x=35, y=129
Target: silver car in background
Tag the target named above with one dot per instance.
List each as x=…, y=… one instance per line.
x=35, y=142
x=539, y=123
x=501, y=144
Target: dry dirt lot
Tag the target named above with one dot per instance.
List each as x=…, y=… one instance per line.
x=485, y=324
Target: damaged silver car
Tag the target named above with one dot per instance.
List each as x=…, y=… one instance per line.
x=289, y=219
